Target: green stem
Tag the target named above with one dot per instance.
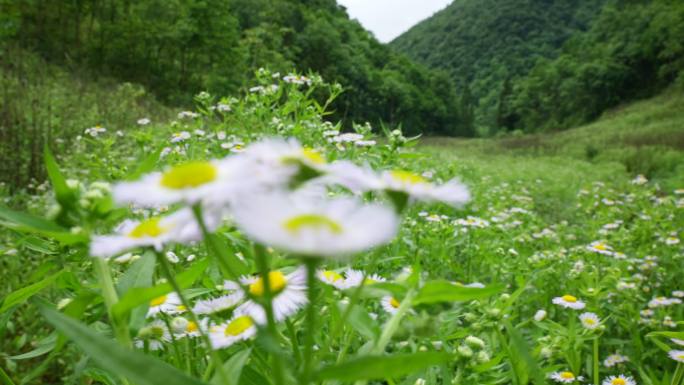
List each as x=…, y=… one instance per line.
x=262, y=264
x=311, y=264
x=213, y=354
x=678, y=374
x=4, y=378
x=111, y=298
x=596, y=361
x=393, y=324
x=211, y=242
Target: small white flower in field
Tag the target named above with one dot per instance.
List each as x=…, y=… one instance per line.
x=332, y=278
x=590, y=320
x=663, y=301
x=678, y=293
x=622, y=285
x=95, y=131
x=218, y=304
x=480, y=285
x=677, y=355
x=288, y=294
x=191, y=328
x=639, y=180
x=365, y=143
x=221, y=135
x=667, y=321
x=420, y=381
x=297, y=79
x=355, y=278
x=177, y=137
x=600, y=247
x=222, y=107
x=277, y=159
x=189, y=183
x=172, y=257
x=190, y=257
x=241, y=327
x=619, y=380
x=167, y=304
x=256, y=89
x=646, y=313
x=677, y=341
x=569, y=301
x=120, y=133
x=179, y=227
x=200, y=132
x=608, y=202
x=155, y=335
x=348, y=137
x=472, y=221
x=565, y=377
x=125, y=258
x=390, y=304
x=64, y=302
x=540, y=315
x=614, y=359
x=670, y=241
x=188, y=115
x=322, y=228
x=165, y=151
x=143, y=121
x=328, y=133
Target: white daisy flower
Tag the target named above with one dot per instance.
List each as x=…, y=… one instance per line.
x=188, y=115
x=565, y=377
x=390, y=304
x=95, y=131
x=678, y=293
x=619, y=380
x=143, y=121
x=540, y=315
x=216, y=181
x=671, y=241
x=600, y=247
x=183, y=327
x=639, y=180
x=355, y=278
x=332, y=278
x=308, y=227
x=569, y=301
x=241, y=327
x=614, y=359
x=663, y=301
x=218, y=304
x=167, y=304
x=155, y=335
x=288, y=294
x=590, y=320
x=677, y=355
x=177, y=137
x=285, y=156
x=677, y=341
x=179, y=227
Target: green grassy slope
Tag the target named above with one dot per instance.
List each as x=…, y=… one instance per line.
x=645, y=137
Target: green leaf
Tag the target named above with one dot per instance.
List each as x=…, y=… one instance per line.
x=233, y=368
x=139, y=296
x=361, y=322
x=44, y=346
x=137, y=367
x=380, y=367
x=20, y=296
x=444, y=291
x=23, y=222
x=678, y=335
x=138, y=275
x=147, y=165
x=63, y=193
x=521, y=358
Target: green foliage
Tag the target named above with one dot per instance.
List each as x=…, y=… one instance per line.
x=482, y=43
x=632, y=50
x=179, y=48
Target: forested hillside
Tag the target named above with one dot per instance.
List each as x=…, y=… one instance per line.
x=543, y=65
x=178, y=48
x=483, y=44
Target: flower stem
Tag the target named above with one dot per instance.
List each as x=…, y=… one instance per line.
x=267, y=303
x=211, y=242
x=311, y=264
x=166, y=270
x=111, y=298
x=596, y=361
x=678, y=374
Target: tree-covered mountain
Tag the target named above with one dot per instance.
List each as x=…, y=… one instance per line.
x=551, y=64
x=482, y=43
x=177, y=48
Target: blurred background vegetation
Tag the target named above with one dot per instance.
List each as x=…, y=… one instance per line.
x=476, y=68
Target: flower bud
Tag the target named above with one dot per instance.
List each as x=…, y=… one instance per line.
x=475, y=342
x=465, y=351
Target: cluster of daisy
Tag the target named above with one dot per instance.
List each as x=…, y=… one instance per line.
x=95, y=131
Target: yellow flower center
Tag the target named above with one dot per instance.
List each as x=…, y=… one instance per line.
x=158, y=301
x=276, y=280
x=569, y=298
x=312, y=221
x=313, y=156
x=181, y=308
x=589, y=321
x=680, y=356
x=187, y=175
x=394, y=303
x=148, y=228
x=407, y=177
x=238, y=326
x=618, y=381
x=600, y=246
x=332, y=276
x=369, y=281
x=567, y=376
x=192, y=327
